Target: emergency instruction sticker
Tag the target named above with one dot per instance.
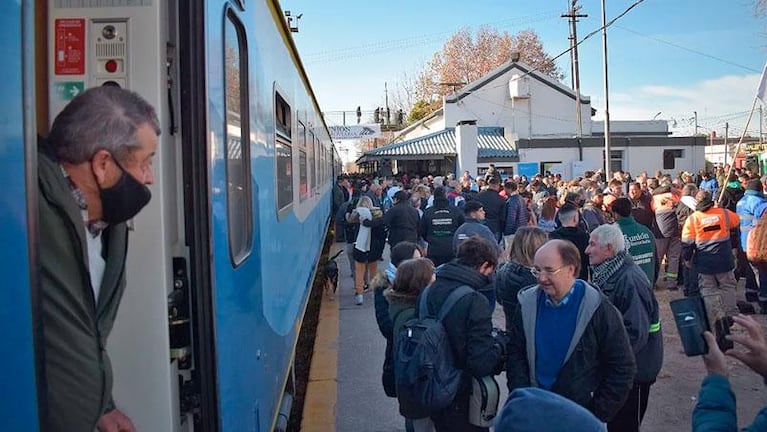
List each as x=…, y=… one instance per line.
x=70, y=46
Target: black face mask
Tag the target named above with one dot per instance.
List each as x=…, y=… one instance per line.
x=123, y=200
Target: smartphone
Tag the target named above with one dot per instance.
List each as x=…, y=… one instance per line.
x=718, y=322
x=690, y=319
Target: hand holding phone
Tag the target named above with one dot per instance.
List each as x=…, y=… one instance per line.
x=714, y=359
x=718, y=322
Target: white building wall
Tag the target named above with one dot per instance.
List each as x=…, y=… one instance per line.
x=632, y=126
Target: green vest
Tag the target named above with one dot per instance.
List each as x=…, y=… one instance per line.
x=641, y=245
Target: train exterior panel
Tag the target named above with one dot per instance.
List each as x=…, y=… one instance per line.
x=239, y=212
x=18, y=409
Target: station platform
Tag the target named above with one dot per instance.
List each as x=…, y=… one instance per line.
x=350, y=333
x=345, y=393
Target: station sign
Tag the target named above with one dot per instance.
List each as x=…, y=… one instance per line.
x=355, y=131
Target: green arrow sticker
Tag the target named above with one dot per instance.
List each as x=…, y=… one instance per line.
x=69, y=89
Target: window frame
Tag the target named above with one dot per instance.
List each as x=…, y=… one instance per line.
x=238, y=255
x=283, y=133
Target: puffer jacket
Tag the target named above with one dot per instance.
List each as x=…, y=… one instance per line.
x=631, y=292
x=510, y=279
x=598, y=371
x=715, y=410
x=76, y=326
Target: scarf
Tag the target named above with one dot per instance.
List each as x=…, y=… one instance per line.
x=601, y=272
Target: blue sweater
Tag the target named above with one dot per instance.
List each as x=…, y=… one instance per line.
x=716, y=411
x=554, y=330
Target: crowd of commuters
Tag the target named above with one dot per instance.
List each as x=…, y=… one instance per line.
x=575, y=265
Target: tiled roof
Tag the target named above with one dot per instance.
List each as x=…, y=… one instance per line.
x=490, y=141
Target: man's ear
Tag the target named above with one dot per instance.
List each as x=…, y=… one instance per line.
x=99, y=164
x=486, y=268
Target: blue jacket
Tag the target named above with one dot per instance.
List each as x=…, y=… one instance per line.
x=710, y=185
x=716, y=411
x=749, y=209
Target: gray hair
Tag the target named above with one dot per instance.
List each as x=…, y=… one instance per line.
x=101, y=118
x=689, y=190
x=610, y=234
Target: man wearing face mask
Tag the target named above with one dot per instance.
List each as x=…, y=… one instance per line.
x=93, y=173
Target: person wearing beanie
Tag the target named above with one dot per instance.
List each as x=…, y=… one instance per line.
x=640, y=240
x=530, y=410
x=706, y=245
x=750, y=209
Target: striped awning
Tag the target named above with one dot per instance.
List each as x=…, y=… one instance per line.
x=490, y=142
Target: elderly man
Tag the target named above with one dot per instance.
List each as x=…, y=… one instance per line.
x=568, y=338
x=93, y=174
x=628, y=288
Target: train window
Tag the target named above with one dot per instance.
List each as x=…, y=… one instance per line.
x=239, y=208
x=316, y=161
x=283, y=152
x=312, y=166
x=303, y=176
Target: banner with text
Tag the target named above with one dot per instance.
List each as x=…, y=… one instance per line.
x=355, y=131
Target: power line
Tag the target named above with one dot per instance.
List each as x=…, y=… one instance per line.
x=394, y=44
x=701, y=53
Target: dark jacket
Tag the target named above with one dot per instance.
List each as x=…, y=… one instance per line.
x=631, y=292
x=469, y=324
x=402, y=221
x=438, y=225
x=510, y=279
x=495, y=210
x=641, y=210
x=715, y=410
x=730, y=198
x=664, y=205
x=599, y=368
x=76, y=327
x=580, y=238
x=516, y=214
x=402, y=307
x=379, y=284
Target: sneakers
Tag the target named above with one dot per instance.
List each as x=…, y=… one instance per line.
x=358, y=299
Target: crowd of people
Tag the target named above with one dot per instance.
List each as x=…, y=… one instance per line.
x=575, y=265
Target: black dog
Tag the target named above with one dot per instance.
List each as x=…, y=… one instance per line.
x=331, y=275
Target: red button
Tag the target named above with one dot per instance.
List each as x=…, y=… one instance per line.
x=111, y=66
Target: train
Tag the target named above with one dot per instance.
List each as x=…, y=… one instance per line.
x=221, y=261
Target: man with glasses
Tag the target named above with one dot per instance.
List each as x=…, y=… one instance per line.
x=568, y=338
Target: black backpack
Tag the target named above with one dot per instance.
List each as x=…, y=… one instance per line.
x=424, y=369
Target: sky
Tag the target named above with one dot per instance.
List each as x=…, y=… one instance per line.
x=667, y=59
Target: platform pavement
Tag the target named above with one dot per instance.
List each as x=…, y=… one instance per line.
x=361, y=404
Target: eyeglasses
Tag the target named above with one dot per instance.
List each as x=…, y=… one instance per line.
x=537, y=273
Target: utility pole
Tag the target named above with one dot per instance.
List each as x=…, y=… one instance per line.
x=726, y=134
x=607, y=99
x=573, y=15
x=761, y=122
x=386, y=96
x=696, y=123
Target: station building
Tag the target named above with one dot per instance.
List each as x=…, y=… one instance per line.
x=524, y=122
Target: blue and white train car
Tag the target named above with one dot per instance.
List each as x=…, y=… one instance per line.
x=222, y=259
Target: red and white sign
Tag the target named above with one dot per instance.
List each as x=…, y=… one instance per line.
x=70, y=46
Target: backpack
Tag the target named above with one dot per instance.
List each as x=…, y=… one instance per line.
x=425, y=373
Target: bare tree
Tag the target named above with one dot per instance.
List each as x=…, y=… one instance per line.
x=466, y=57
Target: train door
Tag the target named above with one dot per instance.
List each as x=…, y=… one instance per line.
x=161, y=346
x=18, y=175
